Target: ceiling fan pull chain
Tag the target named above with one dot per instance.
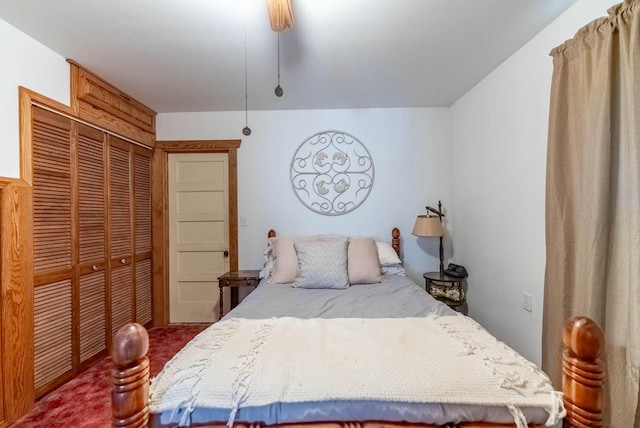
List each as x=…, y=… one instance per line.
x=246, y=130
x=279, y=92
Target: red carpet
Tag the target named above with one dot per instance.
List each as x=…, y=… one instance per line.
x=86, y=400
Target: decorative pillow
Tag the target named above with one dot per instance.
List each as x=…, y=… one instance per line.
x=387, y=254
x=285, y=261
x=362, y=261
x=322, y=264
x=396, y=269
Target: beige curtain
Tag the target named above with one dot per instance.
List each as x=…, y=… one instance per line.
x=593, y=200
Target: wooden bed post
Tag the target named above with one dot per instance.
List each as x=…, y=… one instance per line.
x=130, y=377
x=583, y=373
x=582, y=379
x=395, y=240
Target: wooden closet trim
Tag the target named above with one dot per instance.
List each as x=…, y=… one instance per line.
x=16, y=292
x=160, y=212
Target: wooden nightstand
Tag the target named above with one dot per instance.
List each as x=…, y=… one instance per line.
x=235, y=279
x=448, y=289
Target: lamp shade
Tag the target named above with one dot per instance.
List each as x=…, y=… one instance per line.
x=428, y=226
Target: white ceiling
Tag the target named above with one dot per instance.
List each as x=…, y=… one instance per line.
x=188, y=55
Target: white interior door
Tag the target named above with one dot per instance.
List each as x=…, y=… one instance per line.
x=198, y=234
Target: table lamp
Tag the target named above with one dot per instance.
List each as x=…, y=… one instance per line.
x=430, y=226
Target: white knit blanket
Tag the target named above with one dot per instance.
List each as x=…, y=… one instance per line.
x=452, y=359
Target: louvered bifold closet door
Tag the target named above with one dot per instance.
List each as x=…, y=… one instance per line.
x=52, y=339
x=51, y=192
x=92, y=311
x=121, y=233
x=52, y=251
x=142, y=214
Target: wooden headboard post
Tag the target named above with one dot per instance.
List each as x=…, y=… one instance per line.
x=395, y=240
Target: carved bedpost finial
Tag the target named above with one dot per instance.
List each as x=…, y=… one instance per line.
x=395, y=240
x=130, y=377
x=583, y=372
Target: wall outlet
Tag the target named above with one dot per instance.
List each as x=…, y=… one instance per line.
x=243, y=221
x=527, y=301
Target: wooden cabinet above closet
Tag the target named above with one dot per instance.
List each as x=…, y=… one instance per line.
x=92, y=260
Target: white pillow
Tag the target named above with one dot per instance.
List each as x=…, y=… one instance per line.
x=396, y=269
x=386, y=254
x=321, y=264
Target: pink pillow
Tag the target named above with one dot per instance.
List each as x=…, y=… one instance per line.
x=285, y=261
x=363, y=266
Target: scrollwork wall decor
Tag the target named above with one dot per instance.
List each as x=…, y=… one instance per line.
x=332, y=173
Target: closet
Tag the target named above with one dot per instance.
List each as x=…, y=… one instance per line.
x=92, y=243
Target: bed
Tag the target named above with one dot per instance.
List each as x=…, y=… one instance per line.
x=369, y=354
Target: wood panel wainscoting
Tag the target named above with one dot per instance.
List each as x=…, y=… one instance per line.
x=16, y=297
x=160, y=212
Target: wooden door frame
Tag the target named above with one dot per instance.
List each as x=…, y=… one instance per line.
x=160, y=212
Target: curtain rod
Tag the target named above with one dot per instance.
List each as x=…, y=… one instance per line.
x=91, y=125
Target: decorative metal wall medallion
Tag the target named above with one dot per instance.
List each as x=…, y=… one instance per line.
x=332, y=173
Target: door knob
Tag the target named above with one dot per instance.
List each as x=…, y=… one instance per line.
x=226, y=253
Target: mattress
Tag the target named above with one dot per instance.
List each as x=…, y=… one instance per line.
x=395, y=297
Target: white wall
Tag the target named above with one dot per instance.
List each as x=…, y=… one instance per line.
x=499, y=138
x=25, y=62
x=410, y=151
x=484, y=157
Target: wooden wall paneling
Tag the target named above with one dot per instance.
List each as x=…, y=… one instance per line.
x=16, y=300
x=160, y=215
x=3, y=413
x=99, y=102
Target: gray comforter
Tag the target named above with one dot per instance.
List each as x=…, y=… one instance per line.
x=395, y=297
